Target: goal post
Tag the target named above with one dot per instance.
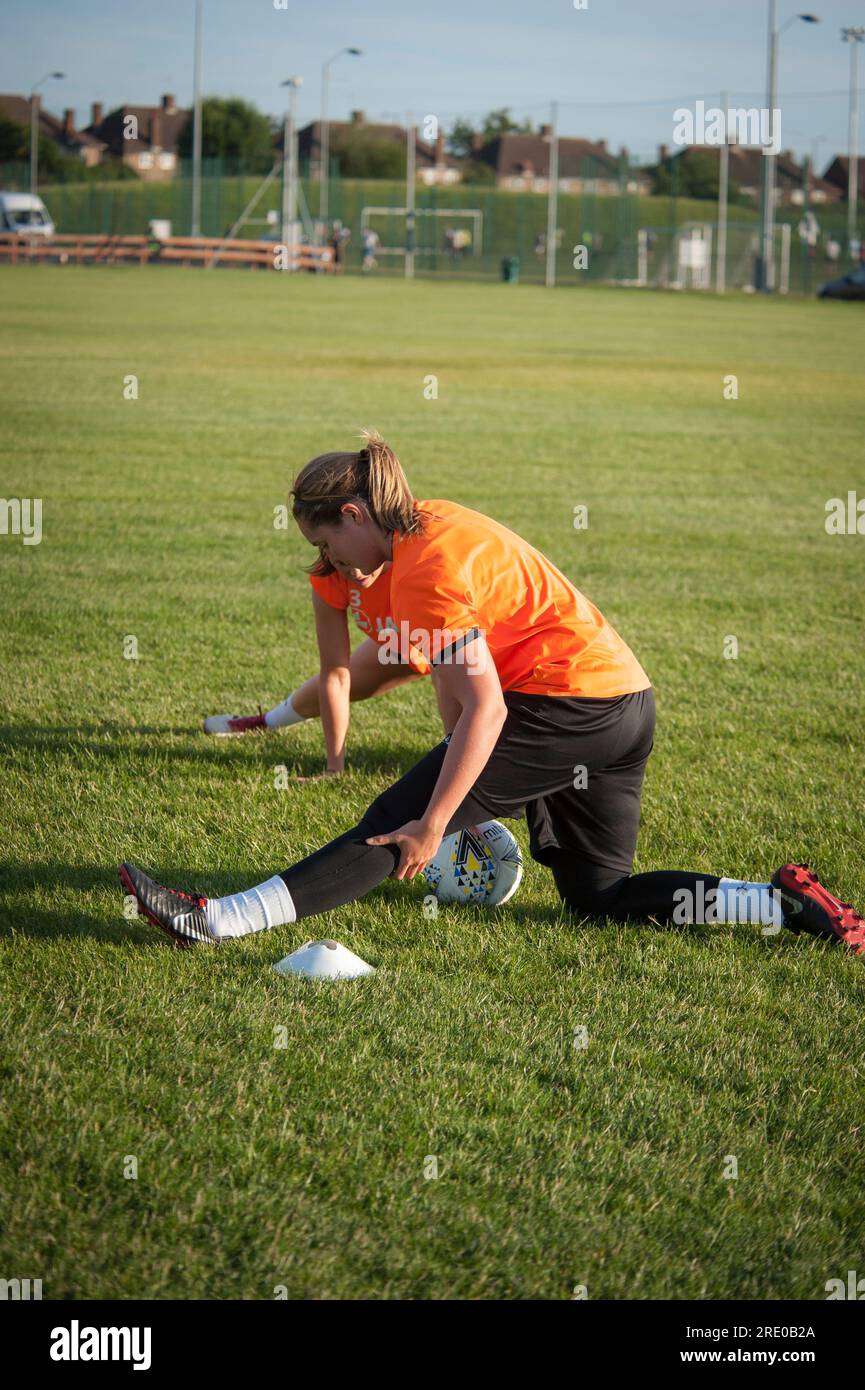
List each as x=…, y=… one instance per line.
x=382, y=219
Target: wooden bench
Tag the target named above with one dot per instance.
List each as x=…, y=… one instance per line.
x=206, y=251
x=72, y=246
x=212, y=251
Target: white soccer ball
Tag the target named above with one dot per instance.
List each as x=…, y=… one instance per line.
x=481, y=864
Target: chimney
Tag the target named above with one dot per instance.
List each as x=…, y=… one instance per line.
x=662, y=153
x=168, y=104
x=602, y=146
x=357, y=118
x=156, y=130
x=68, y=123
x=477, y=143
x=96, y=113
x=546, y=132
x=440, y=148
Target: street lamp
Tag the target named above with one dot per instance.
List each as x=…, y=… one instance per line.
x=34, y=139
x=289, y=159
x=766, y=263
x=324, y=142
x=853, y=36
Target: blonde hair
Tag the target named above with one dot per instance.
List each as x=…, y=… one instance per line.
x=373, y=477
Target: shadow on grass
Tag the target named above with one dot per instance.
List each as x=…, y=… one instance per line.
x=20, y=877
x=389, y=759
x=23, y=878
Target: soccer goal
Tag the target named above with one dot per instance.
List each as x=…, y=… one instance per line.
x=391, y=226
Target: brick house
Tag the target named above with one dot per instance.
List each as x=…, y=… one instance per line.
x=746, y=169
x=432, y=164
x=522, y=162
x=63, y=133
x=838, y=173
x=144, y=137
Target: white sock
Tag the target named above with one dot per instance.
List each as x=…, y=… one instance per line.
x=268, y=905
x=741, y=901
x=284, y=714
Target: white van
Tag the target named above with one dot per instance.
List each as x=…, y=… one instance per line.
x=25, y=214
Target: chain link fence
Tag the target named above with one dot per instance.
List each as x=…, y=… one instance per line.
x=624, y=236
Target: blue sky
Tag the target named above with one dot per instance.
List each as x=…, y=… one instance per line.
x=619, y=68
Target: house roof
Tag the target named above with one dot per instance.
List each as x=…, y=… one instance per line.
x=512, y=155
x=838, y=173
x=746, y=166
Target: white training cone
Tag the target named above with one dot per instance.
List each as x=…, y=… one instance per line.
x=324, y=960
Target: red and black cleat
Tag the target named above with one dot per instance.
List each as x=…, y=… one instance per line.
x=808, y=906
x=180, y=915
x=224, y=724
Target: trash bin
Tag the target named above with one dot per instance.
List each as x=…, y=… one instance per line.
x=511, y=270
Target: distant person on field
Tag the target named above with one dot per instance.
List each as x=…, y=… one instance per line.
x=371, y=243
x=338, y=240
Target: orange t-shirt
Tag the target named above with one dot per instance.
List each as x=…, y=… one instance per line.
x=468, y=572
x=370, y=607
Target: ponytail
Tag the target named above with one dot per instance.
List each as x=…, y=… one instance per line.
x=372, y=477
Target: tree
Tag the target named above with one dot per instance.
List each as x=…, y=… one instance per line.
x=478, y=171
x=230, y=129
x=459, y=139
x=500, y=122
x=55, y=166
x=693, y=174
x=361, y=154
x=495, y=123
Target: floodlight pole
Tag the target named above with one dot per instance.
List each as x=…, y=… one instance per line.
x=34, y=132
x=289, y=159
x=766, y=277
x=723, y=186
x=552, y=196
x=324, y=136
x=195, y=229
x=853, y=36
x=767, y=211
x=409, y=198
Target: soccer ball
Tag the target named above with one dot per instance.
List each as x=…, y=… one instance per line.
x=481, y=864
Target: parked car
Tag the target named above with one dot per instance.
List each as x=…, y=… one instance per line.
x=851, y=286
x=26, y=214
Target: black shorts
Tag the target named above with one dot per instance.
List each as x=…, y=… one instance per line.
x=574, y=766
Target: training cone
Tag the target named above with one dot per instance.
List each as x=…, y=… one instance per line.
x=324, y=960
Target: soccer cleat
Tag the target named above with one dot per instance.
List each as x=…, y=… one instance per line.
x=808, y=906
x=180, y=915
x=224, y=724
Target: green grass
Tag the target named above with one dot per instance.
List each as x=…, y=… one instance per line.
x=303, y=1165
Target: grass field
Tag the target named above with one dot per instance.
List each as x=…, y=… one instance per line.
x=303, y=1165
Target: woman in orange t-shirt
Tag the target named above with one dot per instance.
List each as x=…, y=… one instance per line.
x=549, y=715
